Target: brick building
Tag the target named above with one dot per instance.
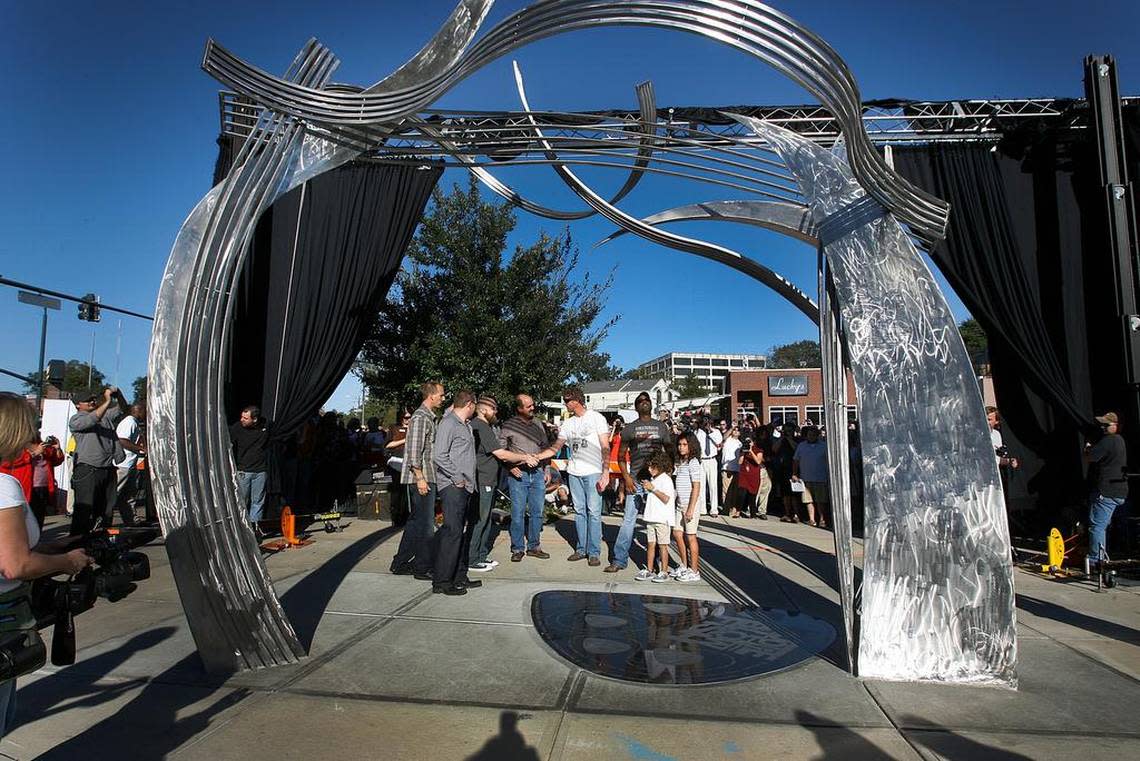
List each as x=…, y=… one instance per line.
x=785, y=395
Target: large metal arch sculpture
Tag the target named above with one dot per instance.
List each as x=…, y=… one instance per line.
x=937, y=593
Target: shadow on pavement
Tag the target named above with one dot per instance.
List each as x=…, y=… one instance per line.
x=1045, y=609
x=944, y=743
x=306, y=601
x=150, y=725
x=508, y=745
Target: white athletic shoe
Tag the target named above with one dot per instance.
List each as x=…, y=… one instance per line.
x=643, y=575
x=676, y=572
x=660, y=578
x=690, y=575
x=493, y=563
x=481, y=567
x=715, y=513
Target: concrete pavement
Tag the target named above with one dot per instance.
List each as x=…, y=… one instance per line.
x=397, y=673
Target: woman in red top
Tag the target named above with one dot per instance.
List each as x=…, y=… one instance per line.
x=34, y=469
x=748, y=482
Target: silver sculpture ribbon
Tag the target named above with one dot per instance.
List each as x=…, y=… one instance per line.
x=309, y=127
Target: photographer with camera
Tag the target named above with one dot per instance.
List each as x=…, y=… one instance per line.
x=22, y=559
x=94, y=479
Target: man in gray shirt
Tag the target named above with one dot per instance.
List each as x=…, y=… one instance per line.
x=93, y=479
x=454, y=457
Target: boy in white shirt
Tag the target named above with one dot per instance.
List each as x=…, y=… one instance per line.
x=660, y=509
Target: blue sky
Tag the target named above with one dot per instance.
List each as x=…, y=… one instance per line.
x=109, y=128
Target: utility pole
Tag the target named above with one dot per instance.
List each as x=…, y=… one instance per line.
x=45, y=303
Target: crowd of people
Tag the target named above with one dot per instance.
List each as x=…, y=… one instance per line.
x=669, y=473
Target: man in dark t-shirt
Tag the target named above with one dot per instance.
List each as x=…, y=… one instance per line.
x=1107, y=458
x=639, y=439
x=488, y=454
x=250, y=439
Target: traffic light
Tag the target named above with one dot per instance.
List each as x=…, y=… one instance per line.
x=89, y=308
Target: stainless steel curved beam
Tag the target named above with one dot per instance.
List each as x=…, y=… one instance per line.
x=726, y=256
x=791, y=219
x=938, y=600
x=648, y=106
x=746, y=25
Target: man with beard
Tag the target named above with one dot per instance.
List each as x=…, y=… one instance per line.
x=639, y=440
x=524, y=435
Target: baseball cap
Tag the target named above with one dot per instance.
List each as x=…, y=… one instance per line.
x=1108, y=418
x=489, y=401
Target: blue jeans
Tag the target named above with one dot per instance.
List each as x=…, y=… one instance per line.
x=587, y=513
x=251, y=486
x=528, y=495
x=634, y=503
x=1100, y=515
x=415, y=544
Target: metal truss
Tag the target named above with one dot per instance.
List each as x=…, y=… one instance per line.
x=894, y=121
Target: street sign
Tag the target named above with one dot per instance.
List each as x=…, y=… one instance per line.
x=37, y=300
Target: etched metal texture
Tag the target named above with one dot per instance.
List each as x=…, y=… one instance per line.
x=305, y=127
x=937, y=594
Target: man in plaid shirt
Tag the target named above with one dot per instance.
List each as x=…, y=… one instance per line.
x=418, y=477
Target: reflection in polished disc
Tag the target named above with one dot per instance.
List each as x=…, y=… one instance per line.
x=670, y=640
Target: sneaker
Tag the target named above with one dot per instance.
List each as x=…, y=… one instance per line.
x=492, y=563
x=690, y=576
x=715, y=513
x=643, y=575
x=676, y=573
x=481, y=567
x=660, y=578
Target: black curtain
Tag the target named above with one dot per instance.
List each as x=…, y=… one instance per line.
x=321, y=262
x=1026, y=253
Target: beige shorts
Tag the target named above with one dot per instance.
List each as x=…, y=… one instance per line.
x=816, y=492
x=689, y=527
x=658, y=533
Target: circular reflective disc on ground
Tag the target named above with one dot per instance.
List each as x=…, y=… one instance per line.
x=670, y=640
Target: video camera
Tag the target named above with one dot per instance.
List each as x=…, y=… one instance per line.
x=55, y=602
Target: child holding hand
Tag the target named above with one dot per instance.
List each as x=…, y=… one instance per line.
x=660, y=510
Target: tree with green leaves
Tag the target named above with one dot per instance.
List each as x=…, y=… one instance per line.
x=74, y=378
x=798, y=354
x=690, y=386
x=464, y=314
x=975, y=339
x=138, y=387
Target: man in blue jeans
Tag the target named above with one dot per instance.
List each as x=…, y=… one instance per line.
x=418, y=475
x=1108, y=459
x=588, y=435
x=639, y=439
x=524, y=435
x=250, y=438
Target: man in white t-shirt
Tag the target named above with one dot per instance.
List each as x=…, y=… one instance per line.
x=588, y=435
x=126, y=474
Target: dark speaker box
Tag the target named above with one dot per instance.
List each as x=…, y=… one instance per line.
x=373, y=503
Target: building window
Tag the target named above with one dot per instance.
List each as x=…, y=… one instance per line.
x=720, y=363
x=852, y=413
x=814, y=413
x=737, y=363
x=682, y=360
x=782, y=415
x=702, y=361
